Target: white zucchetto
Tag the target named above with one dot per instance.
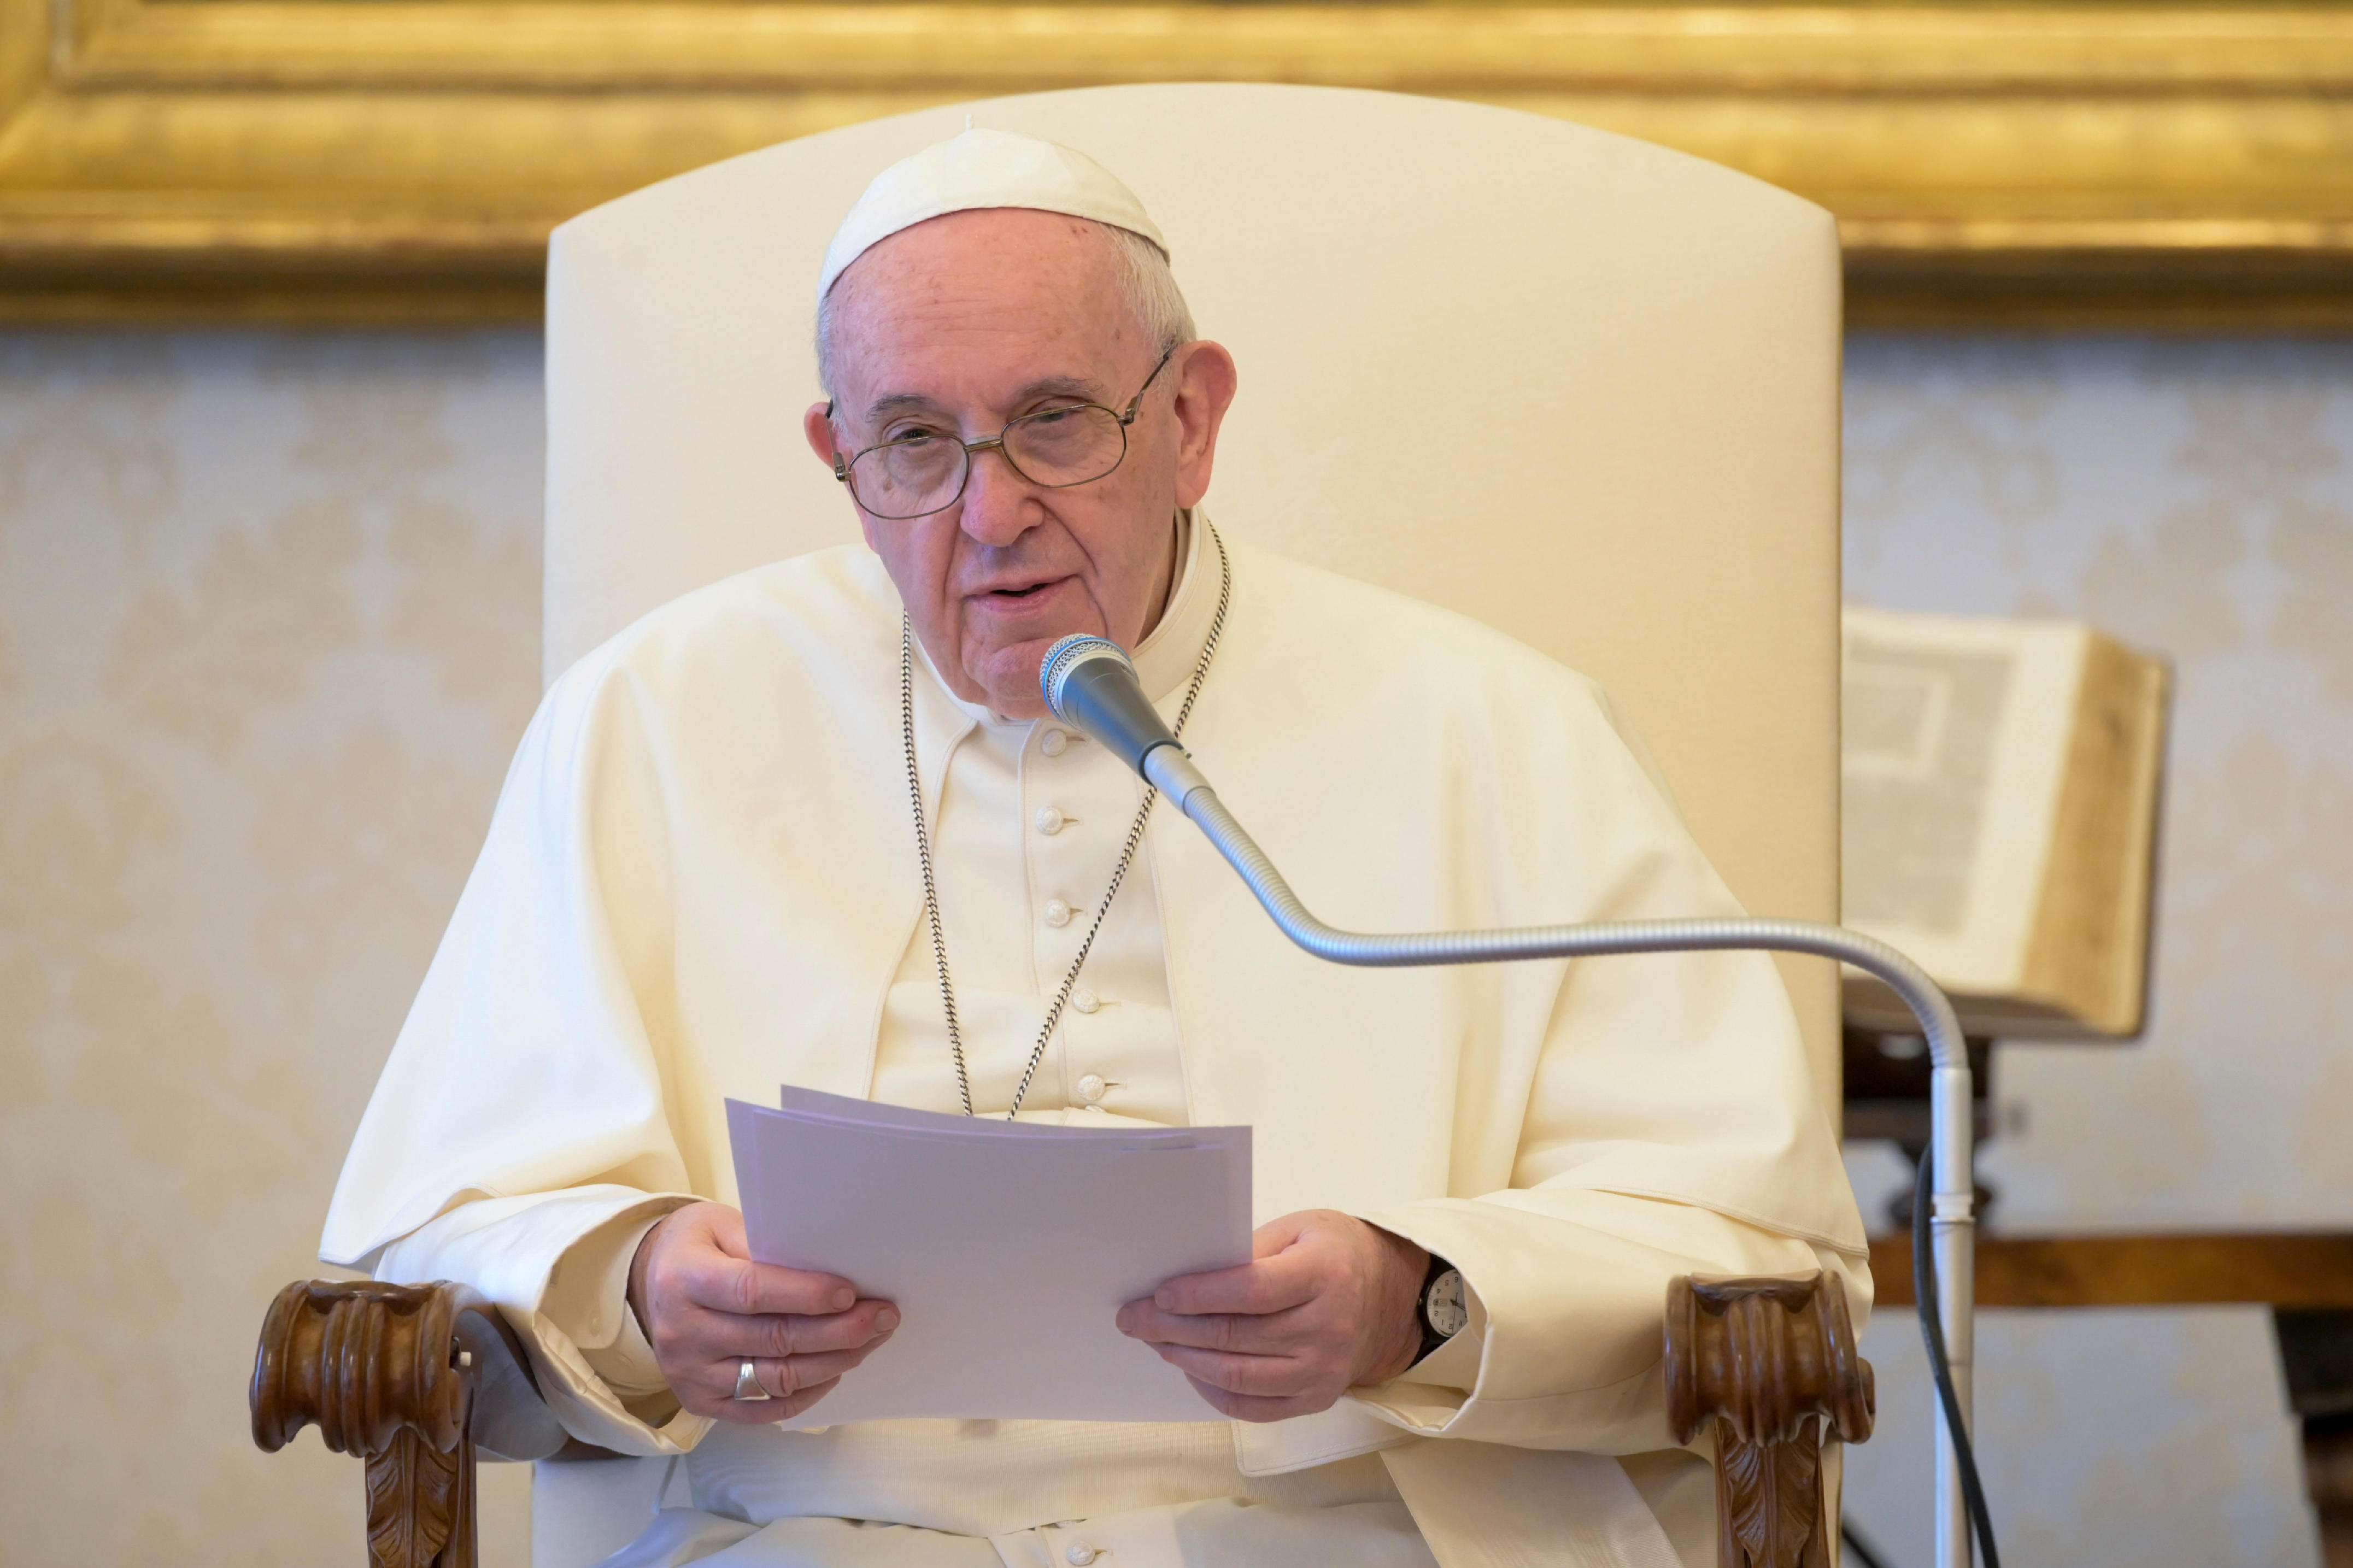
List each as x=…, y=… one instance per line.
x=983, y=169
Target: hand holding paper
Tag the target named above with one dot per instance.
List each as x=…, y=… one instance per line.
x=708, y=1308
x=1328, y=1303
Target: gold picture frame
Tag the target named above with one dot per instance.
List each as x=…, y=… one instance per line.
x=400, y=162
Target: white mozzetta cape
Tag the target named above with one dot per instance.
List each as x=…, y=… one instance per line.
x=700, y=881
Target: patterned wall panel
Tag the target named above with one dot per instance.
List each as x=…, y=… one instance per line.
x=2195, y=499
x=268, y=630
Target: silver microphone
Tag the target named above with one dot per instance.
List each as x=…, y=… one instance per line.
x=1090, y=684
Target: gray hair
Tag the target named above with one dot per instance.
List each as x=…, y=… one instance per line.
x=1146, y=286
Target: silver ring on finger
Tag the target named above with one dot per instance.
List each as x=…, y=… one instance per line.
x=747, y=1384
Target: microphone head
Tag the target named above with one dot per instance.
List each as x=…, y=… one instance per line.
x=1062, y=660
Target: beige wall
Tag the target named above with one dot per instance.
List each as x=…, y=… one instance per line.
x=2197, y=499
x=267, y=622
x=268, y=630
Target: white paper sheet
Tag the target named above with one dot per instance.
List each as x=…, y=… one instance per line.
x=1008, y=1248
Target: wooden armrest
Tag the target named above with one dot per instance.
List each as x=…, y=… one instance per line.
x=410, y=1378
x=1769, y=1368
x=403, y=1374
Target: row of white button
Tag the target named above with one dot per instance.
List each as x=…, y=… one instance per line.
x=1049, y=821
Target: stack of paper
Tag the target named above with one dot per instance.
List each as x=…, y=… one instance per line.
x=1008, y=1248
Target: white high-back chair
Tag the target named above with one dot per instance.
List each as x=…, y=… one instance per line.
x=1581, y=387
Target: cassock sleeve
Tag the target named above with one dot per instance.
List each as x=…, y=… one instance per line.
x=517, y=1140
x=1671, y=1127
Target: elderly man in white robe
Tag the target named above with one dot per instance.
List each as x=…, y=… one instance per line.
x=814, y=824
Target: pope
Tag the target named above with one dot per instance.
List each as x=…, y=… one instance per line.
x=814, y=824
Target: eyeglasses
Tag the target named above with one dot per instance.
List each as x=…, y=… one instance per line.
x=925, y=471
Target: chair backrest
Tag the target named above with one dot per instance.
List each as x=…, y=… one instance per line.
x=1578, y=386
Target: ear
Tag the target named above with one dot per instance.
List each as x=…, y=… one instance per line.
x=1205, y=380
x=816, y=425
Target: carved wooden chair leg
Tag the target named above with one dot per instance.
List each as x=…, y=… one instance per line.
x=2317, y=1355
x=1768, y=1367
x=408, y=1377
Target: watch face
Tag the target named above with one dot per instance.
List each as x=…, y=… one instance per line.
x=1442, y=1304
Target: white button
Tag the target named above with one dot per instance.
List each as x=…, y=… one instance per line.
x=1085, y=1001
x=1050, y=820
x=1080, y=1554
x=1057, y=913
x=1054, y=744
x=1091, y=1087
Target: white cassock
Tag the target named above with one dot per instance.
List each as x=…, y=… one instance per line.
x=702, y=880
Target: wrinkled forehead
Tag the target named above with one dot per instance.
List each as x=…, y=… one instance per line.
x=1022, y=287
x=1014, y=252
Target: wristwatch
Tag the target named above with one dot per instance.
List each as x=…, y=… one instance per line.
x=1443, y=1310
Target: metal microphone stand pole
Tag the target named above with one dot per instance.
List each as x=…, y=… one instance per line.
x=1952, y=1223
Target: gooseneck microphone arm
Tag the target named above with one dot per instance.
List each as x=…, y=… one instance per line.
x=1090, y=684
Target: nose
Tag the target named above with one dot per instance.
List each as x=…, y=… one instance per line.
x=999, y=506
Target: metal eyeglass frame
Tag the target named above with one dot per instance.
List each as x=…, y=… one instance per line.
x=997, y=443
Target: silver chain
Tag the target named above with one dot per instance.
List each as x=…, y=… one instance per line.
x=1118, y=873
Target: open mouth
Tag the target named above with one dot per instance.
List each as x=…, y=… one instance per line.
x=1015, y=594
x=1018, y=601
